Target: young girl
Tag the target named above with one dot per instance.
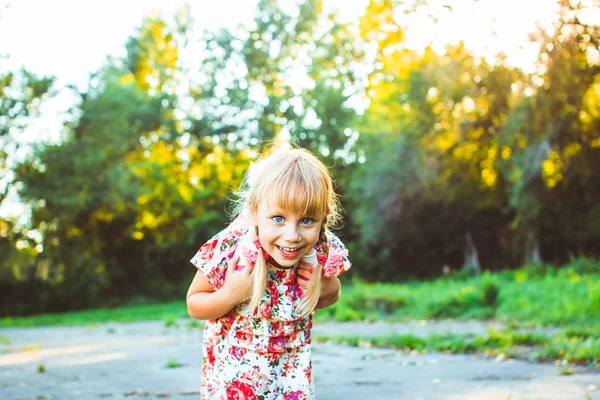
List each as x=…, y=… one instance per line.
x=259, y=280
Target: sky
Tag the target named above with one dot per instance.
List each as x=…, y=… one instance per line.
x=71, y=39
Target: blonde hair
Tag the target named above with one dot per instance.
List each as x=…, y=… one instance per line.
x=297, y=181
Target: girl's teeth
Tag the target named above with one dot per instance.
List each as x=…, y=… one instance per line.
x=289, y=252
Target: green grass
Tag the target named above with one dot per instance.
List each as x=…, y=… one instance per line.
x=524, y=345
x=568, y=296
x=168, y=312
x=526, y=297
x=173, y=364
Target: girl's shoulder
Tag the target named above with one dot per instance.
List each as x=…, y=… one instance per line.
x=336, y=261
x=212, y=257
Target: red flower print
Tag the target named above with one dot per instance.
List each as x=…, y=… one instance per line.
x=295, y=395
x=335, y=262
x=237, y=352
x=264, y=310
x=210, y=354
x=275, y=326
x=240, y=391
x=273, y=291
x=206, y=251
x=308, y=373
x=243, y=337
x=280, y=274
x=277, y=345
x=250, y=254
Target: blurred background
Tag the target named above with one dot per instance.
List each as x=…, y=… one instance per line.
x=464, y=137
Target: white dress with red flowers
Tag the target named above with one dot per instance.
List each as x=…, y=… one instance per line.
x=266, y=356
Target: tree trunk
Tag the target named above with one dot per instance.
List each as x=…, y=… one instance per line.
x=532, y=249
x=471, y=256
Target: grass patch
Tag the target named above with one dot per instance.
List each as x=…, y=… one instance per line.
x=572, y=350
x=173, y=364
x=530, y=346
x=171, y=321
x=132, y=313
x=534, y=295
x=5, y=340
x=567, y=297
x=195, y=324
x=566, y=371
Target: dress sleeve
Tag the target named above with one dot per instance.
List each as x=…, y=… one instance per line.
x=212, y=259
x=337, y=261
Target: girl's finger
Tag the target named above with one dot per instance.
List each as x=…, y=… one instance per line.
x=307, y=268
x=249, y=268
x=305, y=265
x=233, y=263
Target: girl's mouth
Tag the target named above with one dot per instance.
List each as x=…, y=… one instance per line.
x=289, y=252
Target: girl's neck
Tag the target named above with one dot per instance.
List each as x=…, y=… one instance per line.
x=274, y=264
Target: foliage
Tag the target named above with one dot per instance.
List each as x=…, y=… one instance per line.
x=507, y=343
x=126, y=313
x=548, y=296
x=442, y=159
x=21, y=94
x=458, y=147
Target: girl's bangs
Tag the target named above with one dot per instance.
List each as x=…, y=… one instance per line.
x=297, y=192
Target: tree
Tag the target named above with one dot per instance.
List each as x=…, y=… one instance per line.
x=555, y=146
x=21, y=94
x=129, y=191
x=432, y=142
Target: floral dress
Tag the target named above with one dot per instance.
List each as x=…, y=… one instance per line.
x=265, y=356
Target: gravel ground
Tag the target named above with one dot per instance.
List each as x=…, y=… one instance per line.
x=129, y=361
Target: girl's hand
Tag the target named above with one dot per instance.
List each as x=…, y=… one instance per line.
x=305, y=272
x=238, y=282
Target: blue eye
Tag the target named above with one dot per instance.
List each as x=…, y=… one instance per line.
x=278, y=218
x=306, y=221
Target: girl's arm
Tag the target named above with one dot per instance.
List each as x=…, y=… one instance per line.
x=330, y=291
x=205, y=303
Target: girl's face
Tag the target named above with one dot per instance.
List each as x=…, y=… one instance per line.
x=286, y=236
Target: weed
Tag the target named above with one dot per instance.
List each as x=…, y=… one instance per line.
x=171, y=322
x=173, y=364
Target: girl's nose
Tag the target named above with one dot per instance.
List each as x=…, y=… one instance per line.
x=291, y=234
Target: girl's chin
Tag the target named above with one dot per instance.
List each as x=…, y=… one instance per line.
x=285, y=262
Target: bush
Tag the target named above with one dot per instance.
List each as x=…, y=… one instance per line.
x=490, y=293
x=468, y=302
x=584, y=265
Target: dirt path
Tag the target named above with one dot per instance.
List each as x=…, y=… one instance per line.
x=128, y=361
